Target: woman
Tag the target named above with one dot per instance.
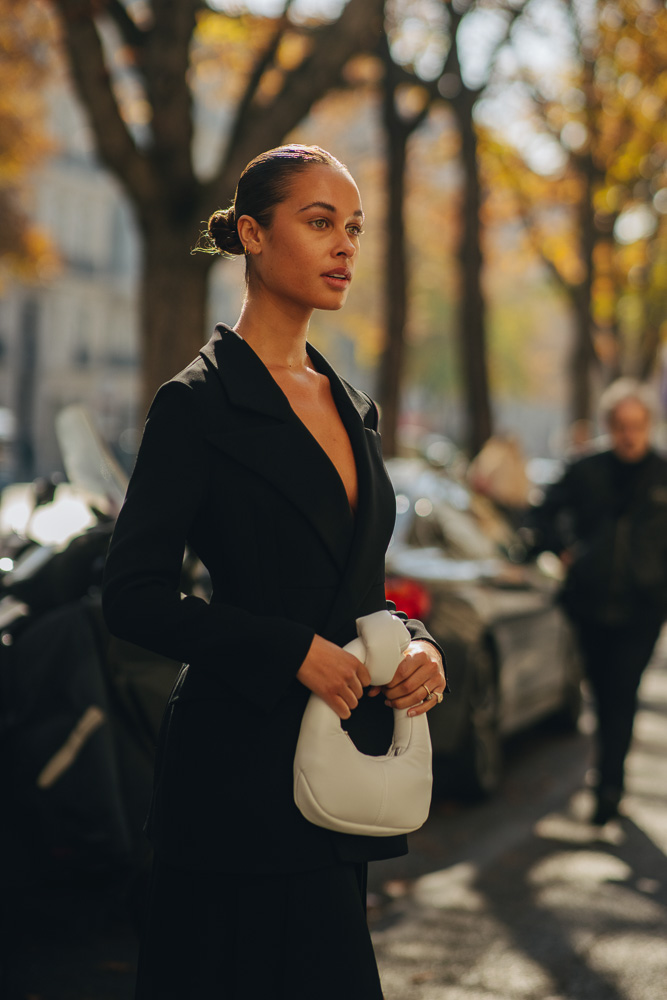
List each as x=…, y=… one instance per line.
x=268, y=465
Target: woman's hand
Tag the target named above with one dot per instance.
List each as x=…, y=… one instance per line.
x=336, y=676
x=419, y=672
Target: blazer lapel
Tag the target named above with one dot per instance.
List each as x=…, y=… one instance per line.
x=263, y=433
x=376, y=510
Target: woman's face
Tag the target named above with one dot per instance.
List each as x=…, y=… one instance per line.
x=305, y=260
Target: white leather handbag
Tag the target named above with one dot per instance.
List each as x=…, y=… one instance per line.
x=338, y=787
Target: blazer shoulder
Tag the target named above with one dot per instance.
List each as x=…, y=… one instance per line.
x=206, y=388
x=594, y=464
x=197, y=375
x=363, y=403
x=190, y=402
x=373, y=417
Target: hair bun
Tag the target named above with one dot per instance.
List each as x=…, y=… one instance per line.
x=223, y=232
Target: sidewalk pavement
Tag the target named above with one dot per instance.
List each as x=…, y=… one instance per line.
x=529, y=901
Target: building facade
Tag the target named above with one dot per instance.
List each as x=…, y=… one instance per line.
x=73, y=337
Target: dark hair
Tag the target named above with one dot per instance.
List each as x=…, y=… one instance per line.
x=264, y=183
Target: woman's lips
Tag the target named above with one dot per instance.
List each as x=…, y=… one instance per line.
x=338, y=279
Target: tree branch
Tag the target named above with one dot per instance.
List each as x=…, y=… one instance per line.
x=530, y=228
x=265, y=59
x=132, y=34
x=395, y=75
x=115, y=144
x=514, y=13
x=264, y=126
x=166, y=63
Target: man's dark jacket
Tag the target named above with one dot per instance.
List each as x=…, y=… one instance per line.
x=612, y=517
x=226, y=466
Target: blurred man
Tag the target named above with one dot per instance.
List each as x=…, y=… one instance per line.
x=607, y=519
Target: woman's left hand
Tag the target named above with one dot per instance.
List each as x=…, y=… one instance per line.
x=420, y=674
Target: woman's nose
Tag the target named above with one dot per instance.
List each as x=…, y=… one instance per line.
x=347, y=246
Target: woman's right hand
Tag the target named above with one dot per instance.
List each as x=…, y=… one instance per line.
x=336, y=676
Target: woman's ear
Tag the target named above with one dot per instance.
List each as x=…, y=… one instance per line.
x=249, y=234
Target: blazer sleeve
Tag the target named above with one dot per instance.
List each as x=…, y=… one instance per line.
x=550, y=523
x=141, y=596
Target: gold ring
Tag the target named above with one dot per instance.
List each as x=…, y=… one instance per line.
x=438, y=695
x=429, y=694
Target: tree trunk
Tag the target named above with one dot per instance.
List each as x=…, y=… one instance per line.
x=654, y=312
x=395, y=297
x=649, y=348
x=472, y=309
x=24, y=399
x=582, y=356
x=173, y=307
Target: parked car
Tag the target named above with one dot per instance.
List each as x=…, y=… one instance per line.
x=455, y=563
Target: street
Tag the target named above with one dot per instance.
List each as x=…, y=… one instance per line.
x=515, y=898
x=521, y=898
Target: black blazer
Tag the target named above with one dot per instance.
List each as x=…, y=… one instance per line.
x=612, y=515
x=226, y=466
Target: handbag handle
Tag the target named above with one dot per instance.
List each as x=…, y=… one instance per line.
x=380, y=645
x=382, y=639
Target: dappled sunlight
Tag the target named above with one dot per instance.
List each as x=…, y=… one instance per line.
x=572, y=827
x=583, y=866
x=630, y=959
x=452, y=887
x=553, y=909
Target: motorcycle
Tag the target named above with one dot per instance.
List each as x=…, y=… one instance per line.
x=79, y=710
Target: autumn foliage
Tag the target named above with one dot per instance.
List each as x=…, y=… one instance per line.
x=25, y=36
x=597, y=215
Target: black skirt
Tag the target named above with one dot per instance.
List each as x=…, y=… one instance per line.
x=257, y=937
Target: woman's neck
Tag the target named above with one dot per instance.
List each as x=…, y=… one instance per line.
x=276, y=336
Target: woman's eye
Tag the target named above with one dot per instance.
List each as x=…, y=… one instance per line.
x=319, y=223
x=355, y=230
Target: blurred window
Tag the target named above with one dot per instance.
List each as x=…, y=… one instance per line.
x=456, y=532
x=434, y=510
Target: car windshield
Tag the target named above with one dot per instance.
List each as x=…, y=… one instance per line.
x=88, y=463
x=432, y=510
